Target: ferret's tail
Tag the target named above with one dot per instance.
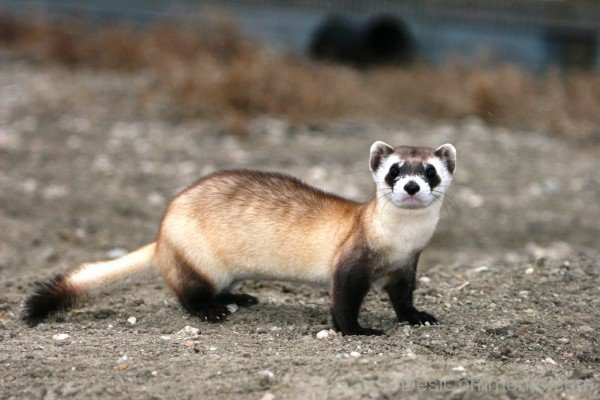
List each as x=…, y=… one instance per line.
x=62, y=291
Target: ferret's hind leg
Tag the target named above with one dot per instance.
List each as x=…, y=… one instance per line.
x=198, y=298
x=196, y=292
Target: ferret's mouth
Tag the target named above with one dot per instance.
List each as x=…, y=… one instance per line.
x=410, y=202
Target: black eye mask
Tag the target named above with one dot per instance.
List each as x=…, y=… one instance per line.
x=428, y=173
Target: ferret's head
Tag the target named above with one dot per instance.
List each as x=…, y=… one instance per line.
x=412, y=177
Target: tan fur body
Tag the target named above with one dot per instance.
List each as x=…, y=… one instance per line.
x=240, y=224
x=237, y=225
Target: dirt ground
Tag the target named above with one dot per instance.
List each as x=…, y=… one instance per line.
x=87, y=167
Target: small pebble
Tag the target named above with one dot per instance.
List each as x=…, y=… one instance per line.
x=232, y=308
x=529, y=271
x=116, y=253
x=154, y=373
x=585, y=329
x=132, y=320
x=156, y=199
x=355, y=354
x=505, y=351
x=500, y=327
x=60, y=337
x=266, y=377
x=53, y=192
x=483, y=268
x=166, y=337
x=460, y=368
x=188, y=330
x=425, y=280
x=324, y=334
x=550, y=361
x=410, y=353
x=268, y=396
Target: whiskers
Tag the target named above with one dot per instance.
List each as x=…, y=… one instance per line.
x=386, y=192
x=444, y=198
x=450, y=205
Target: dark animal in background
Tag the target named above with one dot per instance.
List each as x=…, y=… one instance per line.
x=379, y=40
x=572, y=48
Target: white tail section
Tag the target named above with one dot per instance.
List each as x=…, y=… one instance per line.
x=93, y=277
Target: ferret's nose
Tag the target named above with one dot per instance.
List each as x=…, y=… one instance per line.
x=411, y=187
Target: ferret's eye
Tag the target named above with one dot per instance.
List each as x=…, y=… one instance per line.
x=394, y=171
x=430, y=171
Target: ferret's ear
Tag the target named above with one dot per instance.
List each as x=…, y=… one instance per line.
x=379, y=151
x=447, y=153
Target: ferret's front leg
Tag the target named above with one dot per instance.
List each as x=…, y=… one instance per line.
x=400, y=287
x=351, y=282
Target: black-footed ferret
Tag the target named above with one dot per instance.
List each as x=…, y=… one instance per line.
x=236, y=225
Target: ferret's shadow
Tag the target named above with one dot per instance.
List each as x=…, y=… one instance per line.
x=282, y=315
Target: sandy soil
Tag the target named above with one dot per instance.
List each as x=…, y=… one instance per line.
x=87, y=165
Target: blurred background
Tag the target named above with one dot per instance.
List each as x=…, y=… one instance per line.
x=523, y=64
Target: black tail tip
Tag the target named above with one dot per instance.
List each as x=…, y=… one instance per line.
x=49, y=297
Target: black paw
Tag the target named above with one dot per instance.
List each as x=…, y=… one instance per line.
x=213, y=312
x=240, y=299
x=363, y=331
x=416, y=317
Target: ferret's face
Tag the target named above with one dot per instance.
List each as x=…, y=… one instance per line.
x=412, y=177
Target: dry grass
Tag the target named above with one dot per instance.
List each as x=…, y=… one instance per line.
x=213, y=72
